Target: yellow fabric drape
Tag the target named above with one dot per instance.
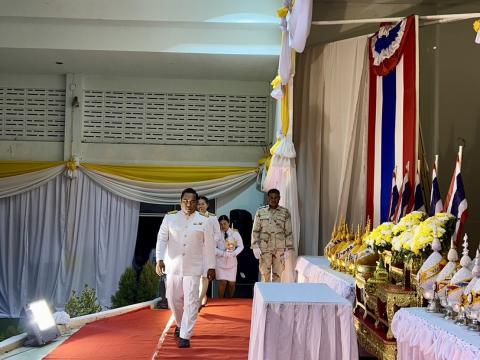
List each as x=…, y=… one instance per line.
x=169, y=174
x=13, y=168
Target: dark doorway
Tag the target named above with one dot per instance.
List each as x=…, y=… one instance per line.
x=150, y=219
x=247, y=270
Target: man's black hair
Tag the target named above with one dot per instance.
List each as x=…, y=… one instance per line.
x=189, y=191
x=273, y=191
x=224, y=217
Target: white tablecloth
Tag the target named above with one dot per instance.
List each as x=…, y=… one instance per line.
x=427, y=336
x=316, y=269
x=301, y=321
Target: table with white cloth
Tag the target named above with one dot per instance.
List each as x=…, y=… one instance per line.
x=316, y=269
x=301, y=321
x=424, y=335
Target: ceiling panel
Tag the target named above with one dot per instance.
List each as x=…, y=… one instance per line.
x=162, y=65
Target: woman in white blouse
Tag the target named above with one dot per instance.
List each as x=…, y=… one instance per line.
x=227, y=250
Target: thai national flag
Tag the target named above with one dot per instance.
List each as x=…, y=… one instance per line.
x=419, y=204
x=394, y=196
x=436, y=204
x=392, y=123
x=456, y=202
x=405, y=195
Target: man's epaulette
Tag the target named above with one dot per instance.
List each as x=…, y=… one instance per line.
x=206, y=215
x=172, y=212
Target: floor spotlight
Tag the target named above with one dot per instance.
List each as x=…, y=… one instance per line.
x=40, y=325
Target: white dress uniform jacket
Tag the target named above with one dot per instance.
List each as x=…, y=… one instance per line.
x=186, y=244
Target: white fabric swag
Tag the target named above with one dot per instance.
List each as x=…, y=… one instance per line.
x=162, y=193
x=18, y=184
x=60, y=236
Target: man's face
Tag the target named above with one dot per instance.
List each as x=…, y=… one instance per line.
x=273, y=200
x=189, y=203
x=202, y=206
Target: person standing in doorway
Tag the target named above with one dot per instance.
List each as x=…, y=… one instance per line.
x=227, y=251
x=202, y=208
x=272, y=240
x=185, y=246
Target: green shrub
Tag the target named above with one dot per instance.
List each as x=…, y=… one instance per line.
x=86, y=303
x=127, y=289
x=147, y=283
x=9, y=327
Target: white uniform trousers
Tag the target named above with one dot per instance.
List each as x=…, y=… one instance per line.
x=203, y=290
x=182, y=296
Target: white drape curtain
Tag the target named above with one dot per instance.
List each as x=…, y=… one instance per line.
x=60, y=236
x=161, y=193
x=330, y=137
x=101, y=236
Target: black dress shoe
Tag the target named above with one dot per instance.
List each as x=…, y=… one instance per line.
x=177, y=331
x=184, y=343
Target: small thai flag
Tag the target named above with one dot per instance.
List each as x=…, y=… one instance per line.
x=419, y=202
x=436, y=204
x=394, y=196
x=405, y=194
x=456, y=202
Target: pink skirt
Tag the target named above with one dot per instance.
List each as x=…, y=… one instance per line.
x=229, y=274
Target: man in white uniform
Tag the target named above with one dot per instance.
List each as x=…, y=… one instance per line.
x=185, y=244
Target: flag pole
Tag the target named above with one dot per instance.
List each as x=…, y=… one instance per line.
x=460, y=152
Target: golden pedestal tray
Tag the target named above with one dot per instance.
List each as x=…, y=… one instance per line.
x=373, y=340
x=393, y=297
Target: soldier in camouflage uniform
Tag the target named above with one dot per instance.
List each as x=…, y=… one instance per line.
x=272, y=240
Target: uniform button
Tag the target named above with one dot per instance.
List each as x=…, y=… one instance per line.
x=183, y=254
x=185, y=235
x=184, y=244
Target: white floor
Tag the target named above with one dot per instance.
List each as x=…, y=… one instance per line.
x=36, y=353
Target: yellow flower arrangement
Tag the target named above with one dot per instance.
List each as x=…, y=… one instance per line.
x=422, y=237
x=403, y=231
x=381, y=237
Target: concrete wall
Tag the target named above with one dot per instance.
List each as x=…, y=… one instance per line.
x=248, y=198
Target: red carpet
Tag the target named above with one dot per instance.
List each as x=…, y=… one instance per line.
x=130, y=336
x=222, y=332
